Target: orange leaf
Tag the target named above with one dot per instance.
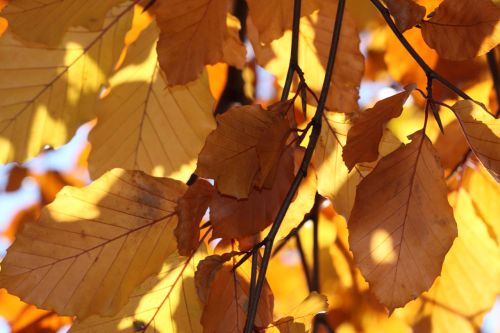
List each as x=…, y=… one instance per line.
x=192, y=34
x=407, y=13
x=234, y=52
x=463, y=29
x=191, y=208
x=482, y=131
x=401, y=225
x=364, y=136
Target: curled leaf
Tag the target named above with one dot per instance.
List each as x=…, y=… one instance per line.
x=406, y=13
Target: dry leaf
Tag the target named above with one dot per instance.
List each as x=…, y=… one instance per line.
x=482, y=132
x=190, y=209
x=469, y=282
x=42, y=22
x=463, y=29
x=226, y=307
x=314, y=46
x=364, y=136
x=46, y=94
x=165, y=302
x=144, y=125
x=100, y=242
x=406, y=13
x=192, y=34
x=401, y=225
x=235, y=218
x=238, y=154
x=273, y=17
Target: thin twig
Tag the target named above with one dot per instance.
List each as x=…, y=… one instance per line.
x=315, y=133
x=421, y=62
x=495, y=75
x=305, y=266
x=294, y=51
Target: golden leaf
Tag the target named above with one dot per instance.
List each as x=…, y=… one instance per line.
x=314, y=45
x=192, y=34
x=46, y=94
x=482, y=132
x=93, y=246
x=364, y=136
x=145, y=125
x=401, y=225
x=41, y=22
x=163, y=303
x=463, y=29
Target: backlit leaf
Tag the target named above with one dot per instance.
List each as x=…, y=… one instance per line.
x=406, y=13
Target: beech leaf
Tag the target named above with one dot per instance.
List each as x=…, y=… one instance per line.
x=463, y=29
x=402, y=226
x=364, y=136
x=192, y=34
x=100, y=242
x=406, y=13
x=145, y=125
x=482, y=132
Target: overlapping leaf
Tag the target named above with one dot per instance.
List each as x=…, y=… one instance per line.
x=46, y=94
x=145, y=125
x=463, y=29
x=401, y=225
x=407, y=13
x=93, y=246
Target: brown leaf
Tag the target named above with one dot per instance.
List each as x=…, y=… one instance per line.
x=482, y=132
x=190, y=209
x=205, y=273
x=402, y=226
x=273, y=17
x=226, y=307
x=233, y=218
x=406, y=13
x=236, y=156
x=463, y=29
x=364, y=136
x=107, y=237
x=234, y=51
x=192, y=34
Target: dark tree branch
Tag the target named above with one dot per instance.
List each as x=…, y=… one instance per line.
x=495, y=75
x=315, y=219
x=315, y=133
x=426, y=68
x=294, y=50
x=321, y=320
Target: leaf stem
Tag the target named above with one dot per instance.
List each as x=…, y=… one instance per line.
x=315, y=133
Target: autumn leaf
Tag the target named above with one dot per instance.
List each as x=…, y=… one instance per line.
x=244, y=148
x=40, y=22
x=335, y=181
x=273, y=17
x=106, y=238
x=482, y=132
x=463, y=29
x=469, y=282
x=314, y=45
x=234, y=52
x=364, y=136
x=164, y=302
x=406, y=13
x=145, y=125
x=401, y=225
x=225, y=309
x=235, y=218
x=46, y=94
x=190, y=208
x=192, y=34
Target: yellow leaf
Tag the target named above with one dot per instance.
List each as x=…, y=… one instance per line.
x=192, y=34
x=463, y=29
x=314, y=45
x=273, y=17
x=482, y=132
x=163, y=303
x=401, y=225
x=93, y=246
x=46, y=94
x=406, y=13
x=145, y=125
x=334, y=179
x=469, y=281
x=41, y=21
